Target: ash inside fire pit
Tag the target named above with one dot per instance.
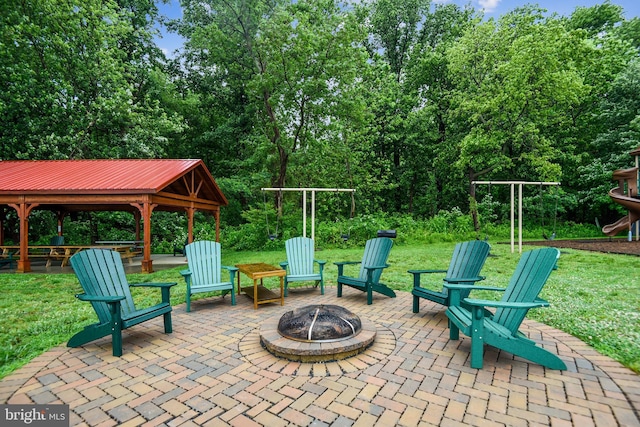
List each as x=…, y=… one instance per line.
x=319, y=323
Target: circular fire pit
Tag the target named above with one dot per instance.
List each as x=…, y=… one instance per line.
x=317, y=333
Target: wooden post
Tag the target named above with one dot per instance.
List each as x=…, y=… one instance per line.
x=216, y=215
x=146, y=208
x=24, y=210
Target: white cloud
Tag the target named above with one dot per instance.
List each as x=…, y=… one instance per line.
x=488, y=5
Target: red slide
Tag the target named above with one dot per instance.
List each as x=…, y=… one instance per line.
x=633, y=206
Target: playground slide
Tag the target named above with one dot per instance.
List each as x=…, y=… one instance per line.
x=631, y=204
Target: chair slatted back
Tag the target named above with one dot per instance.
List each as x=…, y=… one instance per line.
x=205, y=262
x=525, y=285
x=100, y=272
x=467, y=261
x=376, y=252
x=300, y=253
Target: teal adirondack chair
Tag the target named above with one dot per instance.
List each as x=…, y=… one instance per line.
x=205, y=270
x=300, y=263
x=501, y=329
x=374, y=261
x=467, y=261
x=102, y=277
x=56, y=241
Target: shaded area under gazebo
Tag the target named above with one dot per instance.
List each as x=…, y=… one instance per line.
x=139, y=186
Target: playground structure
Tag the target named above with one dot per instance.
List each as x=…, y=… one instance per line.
x=626, y=194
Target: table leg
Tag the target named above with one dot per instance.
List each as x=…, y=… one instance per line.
x=255, y=293
x=281, y=290
x=238, y=283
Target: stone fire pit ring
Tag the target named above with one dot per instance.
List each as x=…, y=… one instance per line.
x=315, y=351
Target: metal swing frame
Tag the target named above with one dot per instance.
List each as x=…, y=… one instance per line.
x=513, y=185
x=313, y=192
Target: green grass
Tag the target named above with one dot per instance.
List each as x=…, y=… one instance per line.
x=593, y=296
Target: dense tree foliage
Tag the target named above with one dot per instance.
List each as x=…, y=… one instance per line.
x=78, y=80
x=408, y=101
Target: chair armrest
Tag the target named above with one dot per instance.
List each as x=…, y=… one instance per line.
x=284, y=265
x=342, y=264
x=320, y=261
x=347, y=262
x=417, y=274
x=504, y=304
x=153, y=284
x=185, y=273
x=455, y=280
x=376, y=267
x=98, y=298
x=425, y=271
x=371, y=269
x=453, y=286
x=232, y=273
x=455, y=291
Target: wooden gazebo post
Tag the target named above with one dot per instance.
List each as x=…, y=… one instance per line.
x=24, y=210
x=190, y=214
x=216, y=215
x=145, y=209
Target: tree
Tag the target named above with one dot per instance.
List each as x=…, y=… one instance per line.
x=609, y=151
x=291, y=66
x=516, y=83
x=429, y=155
x=394, y=29
x=605, y=51
x=76, y=81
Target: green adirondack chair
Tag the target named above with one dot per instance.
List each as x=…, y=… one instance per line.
x=374, y=261
x=501, y=330
x=467, y=261
x=102, y=277
x=300, y=263
x=205, y=270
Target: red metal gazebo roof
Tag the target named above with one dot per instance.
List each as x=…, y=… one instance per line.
x=140, y=186
x=95, y=176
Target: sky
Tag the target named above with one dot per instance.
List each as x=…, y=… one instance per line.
x=492, y=8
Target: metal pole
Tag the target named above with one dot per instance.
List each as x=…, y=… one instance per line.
x=520, y=188
x=313, y=203
x=520, y=218
x=313, y=215
x=304, y=214
x=512, y=219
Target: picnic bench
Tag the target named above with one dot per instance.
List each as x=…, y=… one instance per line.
x=64, y=252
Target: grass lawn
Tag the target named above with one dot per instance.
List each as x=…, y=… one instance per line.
x=593, y=296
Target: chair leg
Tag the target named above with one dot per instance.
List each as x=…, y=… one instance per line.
x=116, y=329
x=339, y=289
x=416, y=304
x=454, y=332
x=477, y=337
x=168, y=326
x=188, y=301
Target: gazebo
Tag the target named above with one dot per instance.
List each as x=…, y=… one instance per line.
x=139, y=186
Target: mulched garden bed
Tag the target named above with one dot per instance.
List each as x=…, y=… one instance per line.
x=606, y=245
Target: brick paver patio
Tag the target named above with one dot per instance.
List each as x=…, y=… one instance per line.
x=212, y=371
